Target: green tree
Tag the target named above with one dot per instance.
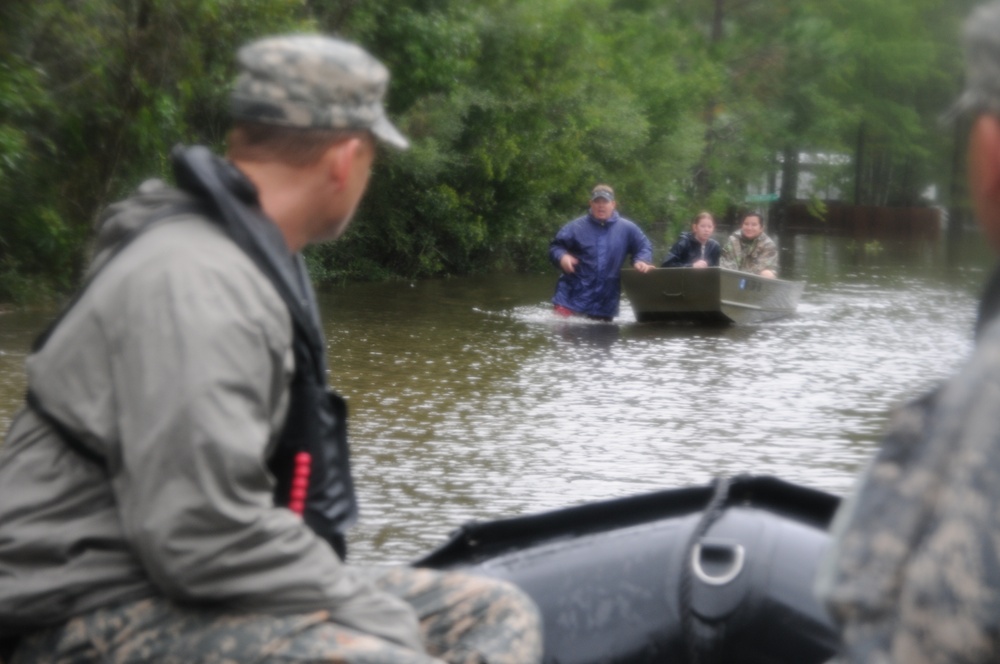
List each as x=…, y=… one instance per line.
x=92, y=95
x=515, y=108
x=907, y=69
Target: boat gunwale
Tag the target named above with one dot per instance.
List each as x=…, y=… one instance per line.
x=480, y=540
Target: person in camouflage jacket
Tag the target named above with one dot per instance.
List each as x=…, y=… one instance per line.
x=750, y=250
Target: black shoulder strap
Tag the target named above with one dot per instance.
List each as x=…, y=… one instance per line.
x=201, y=174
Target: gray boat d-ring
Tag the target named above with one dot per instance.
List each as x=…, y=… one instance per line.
x=739, y=553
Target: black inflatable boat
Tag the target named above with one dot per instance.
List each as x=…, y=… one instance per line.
x=717, y=573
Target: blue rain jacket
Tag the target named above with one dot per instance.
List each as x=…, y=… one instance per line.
x=601, y=247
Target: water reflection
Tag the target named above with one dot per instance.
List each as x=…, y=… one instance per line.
x=471, y=400
x=554, y=412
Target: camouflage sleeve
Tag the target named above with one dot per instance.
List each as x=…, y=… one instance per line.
x=859, y=580
x=768, y=257
x=914, y=572
x=730, y=255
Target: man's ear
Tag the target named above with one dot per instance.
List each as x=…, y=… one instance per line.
x=339, y=160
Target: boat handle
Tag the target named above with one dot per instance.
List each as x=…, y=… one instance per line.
x=716, y=549
x=666, y=294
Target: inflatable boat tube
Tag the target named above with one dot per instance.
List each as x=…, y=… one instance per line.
x=717, y=573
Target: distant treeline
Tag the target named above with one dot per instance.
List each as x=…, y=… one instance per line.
x=515, y=108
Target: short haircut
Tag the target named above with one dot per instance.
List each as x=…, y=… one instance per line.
x=752, y=213
x=703, y=215
x=293, y=146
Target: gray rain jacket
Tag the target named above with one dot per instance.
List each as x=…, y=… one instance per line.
x=174, y=366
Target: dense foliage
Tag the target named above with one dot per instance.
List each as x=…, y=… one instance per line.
x=515, y=109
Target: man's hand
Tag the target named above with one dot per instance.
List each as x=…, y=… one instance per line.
x=643, y=267
x=700, y=263
x=568, y=263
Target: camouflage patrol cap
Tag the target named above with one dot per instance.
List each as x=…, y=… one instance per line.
x=982, y=59
x=312, y=81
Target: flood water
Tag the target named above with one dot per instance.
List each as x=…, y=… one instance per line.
x=470, y=400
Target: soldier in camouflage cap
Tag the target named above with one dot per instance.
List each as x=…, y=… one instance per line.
x=193, y=480
x=913, y=575
x=982, y=55
x=313, y=82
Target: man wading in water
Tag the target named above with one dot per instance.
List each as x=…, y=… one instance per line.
x=177, y=488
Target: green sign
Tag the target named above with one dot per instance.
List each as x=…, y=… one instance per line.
x=762, y=198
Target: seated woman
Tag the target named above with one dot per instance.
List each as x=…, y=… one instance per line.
x=695, y=248
x=750, y=250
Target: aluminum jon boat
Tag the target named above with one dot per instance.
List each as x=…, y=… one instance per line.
x=717, y=573
x=711, y=295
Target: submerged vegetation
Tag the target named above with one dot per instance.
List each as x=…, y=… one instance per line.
x=515, y=108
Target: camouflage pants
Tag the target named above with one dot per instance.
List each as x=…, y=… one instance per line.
x=464, y=619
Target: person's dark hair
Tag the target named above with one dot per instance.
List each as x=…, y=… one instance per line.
x=258, y=142
x=752, y=213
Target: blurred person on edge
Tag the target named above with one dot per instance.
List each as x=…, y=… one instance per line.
x=913, y=573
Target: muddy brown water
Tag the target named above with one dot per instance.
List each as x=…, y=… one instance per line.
x=470, y=400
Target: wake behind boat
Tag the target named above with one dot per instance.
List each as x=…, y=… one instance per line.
x=719, y=573
x=711, y=295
